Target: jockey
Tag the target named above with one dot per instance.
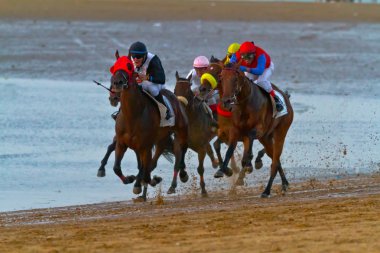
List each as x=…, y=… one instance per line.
x=258, y=67
x=232, y=49
x=200, y=65
x=151, y=74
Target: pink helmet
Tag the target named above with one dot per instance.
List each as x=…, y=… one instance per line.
x=201, y=62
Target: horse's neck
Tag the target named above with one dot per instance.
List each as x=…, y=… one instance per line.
x=251, y=94
x=133, y=103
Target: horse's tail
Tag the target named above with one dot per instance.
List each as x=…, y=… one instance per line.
x=168, y=152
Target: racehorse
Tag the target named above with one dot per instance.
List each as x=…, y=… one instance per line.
x=114, y=98
x=138, y=127
x=209, y=83
x=252, y=116
x=200, y=128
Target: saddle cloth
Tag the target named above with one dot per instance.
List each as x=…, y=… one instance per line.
x=162, y=109
x=285, y=110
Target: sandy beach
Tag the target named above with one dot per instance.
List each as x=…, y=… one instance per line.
x=333, y=202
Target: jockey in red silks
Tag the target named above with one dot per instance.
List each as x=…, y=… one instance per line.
x=258, y=67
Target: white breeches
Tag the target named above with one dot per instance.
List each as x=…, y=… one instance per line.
x=263, y=80
x=153, y=89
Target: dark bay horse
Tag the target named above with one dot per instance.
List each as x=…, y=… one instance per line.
x=252, y=116
x=200, y=127
x=138, y=128
x=212, y=82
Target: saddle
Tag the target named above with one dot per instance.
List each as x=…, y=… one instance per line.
x=162, y=109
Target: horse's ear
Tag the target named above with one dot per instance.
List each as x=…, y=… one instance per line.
x=224, y=59
x=176, y=75
x=117, y=54
x=212, y=59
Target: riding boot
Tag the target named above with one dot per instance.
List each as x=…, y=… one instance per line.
x=160, y=99
x=279, y=106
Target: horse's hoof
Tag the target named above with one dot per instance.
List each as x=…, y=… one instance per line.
x=156, y=180
x=258, y=165
x=101, y=172
x=204, y=194
x=215, y=163
x=183, y=176
x=229, y=172
x=239, y=182
x=284, y=188
x=129, y=179
x=265, y=195
x=139, y=199
x=137, y=189
x=171, y=190
x=219, y=174
x=248, y=169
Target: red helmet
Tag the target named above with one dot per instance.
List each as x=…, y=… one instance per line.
x=247, y=47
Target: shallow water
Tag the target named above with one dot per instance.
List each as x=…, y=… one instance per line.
x=56, y=124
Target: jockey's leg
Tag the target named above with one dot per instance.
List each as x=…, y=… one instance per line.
x=154, y=90
x=264, y=82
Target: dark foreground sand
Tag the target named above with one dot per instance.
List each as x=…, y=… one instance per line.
x=315, y=216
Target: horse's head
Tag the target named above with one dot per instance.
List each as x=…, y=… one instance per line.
x=123, y=75
x=182, y=89
x=210, y=79
x=231, y=79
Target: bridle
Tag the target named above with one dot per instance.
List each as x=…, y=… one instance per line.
x=233, y=99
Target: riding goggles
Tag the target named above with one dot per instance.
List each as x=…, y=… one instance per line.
x=248, y=56
x=137, y=56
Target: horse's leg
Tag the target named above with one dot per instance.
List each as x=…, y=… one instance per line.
x=210, y=154
x=177, y=155
x=216, y=145
x=179, y=164
x=247, y=155
x=201, y=170
x=224, y=170
x=276, y=148
x=102, y=168
x=120, y=150
x=258, y=161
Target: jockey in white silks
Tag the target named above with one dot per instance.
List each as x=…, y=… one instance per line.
x=151, y=74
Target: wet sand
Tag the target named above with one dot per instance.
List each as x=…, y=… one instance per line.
x=315, y=216
x=334, y=215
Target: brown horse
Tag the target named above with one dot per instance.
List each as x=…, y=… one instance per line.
x=200, y=127
x=252, y=116
x=138, y=127
x=114, y=99
x=224, y=119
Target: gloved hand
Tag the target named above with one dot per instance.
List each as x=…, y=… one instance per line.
x=233, y=58
x=243, y=68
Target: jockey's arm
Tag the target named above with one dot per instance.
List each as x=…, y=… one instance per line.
x=155, y=71
x=259, y=70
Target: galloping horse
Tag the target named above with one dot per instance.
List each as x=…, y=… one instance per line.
x=200, y=129
x=252, y=116
x=114, y=99
x=210, y=83
x=138, y=127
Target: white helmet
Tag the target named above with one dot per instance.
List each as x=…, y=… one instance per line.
x=201, y=62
